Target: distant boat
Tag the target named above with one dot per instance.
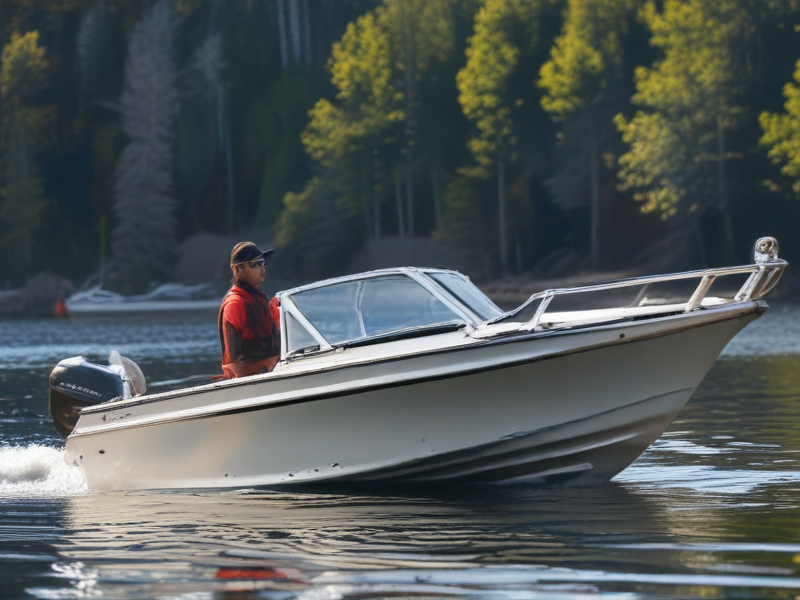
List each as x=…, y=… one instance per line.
x=169, y=297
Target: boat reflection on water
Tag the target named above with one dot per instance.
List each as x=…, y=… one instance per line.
x=354, y=542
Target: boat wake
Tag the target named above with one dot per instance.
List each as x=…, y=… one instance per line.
x=37, y=471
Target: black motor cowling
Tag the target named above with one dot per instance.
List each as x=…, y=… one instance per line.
x=76, y=383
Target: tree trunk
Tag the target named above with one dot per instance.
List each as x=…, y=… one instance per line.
x=229, y=169
x=410, y=193
x=398, y=195
x=727, y=224
x=410, y=79
x=377, y=208
x=306, y=33
x=103, y=227
x=437, y=200
x=701, y=243
x=594, y=180
x=282, y=34
x=294, y=27
x=366, y=198
x=501, y=215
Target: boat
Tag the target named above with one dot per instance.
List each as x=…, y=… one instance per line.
x=166, y=298
x=412, y=375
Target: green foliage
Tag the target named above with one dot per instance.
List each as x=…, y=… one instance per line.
x=499, y=96
x=359, y=138
x=281, y=115
x=23, y=135
x=420, y=32
x=24, y=69
x=587, y=56
x=340, y=137
x=464, y=209
x=688, y=98
x=418, y=96
x=782, y=133
x=368, y=104
x=317, y=230
x=492, y=56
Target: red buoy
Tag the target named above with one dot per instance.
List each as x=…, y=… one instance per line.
x=60, y=309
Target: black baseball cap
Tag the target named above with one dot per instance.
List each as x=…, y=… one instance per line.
x=246, y=251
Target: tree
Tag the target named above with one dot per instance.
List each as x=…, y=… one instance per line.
x=584, y=83
x=144, y=236
x=782, y=133
x=690, y=99
x=498, y=95
x=421, y=33
x=355, y=138
x=367, y=139
x=349, y=139
x=23, y=134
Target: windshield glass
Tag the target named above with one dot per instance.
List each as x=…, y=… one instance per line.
x=470, y=296
x=356, y=310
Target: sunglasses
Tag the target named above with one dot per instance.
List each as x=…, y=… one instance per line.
x=255, y=264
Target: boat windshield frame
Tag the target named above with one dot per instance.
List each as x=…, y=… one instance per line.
x=467, y=317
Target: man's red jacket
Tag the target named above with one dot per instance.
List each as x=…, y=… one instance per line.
x=249, y=331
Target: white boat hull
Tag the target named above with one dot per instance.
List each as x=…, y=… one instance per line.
x=578, y=406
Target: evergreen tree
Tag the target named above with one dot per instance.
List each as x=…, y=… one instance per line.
x=690, y=99
x=782, y=134
x=24, y=133
x=584, y=84
x=421, y=33
x=347, y=139
x=144, y=236
x=498, y=94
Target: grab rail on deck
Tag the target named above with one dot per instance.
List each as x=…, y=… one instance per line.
x=764, y=274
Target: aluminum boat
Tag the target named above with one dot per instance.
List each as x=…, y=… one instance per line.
x=414, y=375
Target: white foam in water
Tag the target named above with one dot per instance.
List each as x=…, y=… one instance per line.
x=37, y=471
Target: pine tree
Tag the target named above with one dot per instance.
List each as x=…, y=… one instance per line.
x=782, y=134
x=584, y=86
x=144, y=236
x=498, y=94
x=23, y=135
x=689, y=100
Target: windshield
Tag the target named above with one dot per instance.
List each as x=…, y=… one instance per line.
x=470, y=296
x=357, y=310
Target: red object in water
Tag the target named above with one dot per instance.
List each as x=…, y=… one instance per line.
x=252, y=573
x=60, y=309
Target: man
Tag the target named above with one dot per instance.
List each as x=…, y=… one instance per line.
x=249, y=322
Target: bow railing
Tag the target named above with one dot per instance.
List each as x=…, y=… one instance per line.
x=764, y=273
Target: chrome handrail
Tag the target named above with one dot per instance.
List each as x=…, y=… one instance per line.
x=764, y=274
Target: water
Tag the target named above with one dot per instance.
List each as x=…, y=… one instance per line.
x=712, y=510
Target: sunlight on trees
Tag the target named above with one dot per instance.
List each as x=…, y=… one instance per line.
x=492, y=95
x=690, y=99
x=366, y=140
x=24, y=133
x=583, y=85
x=782, y=133
x=531, y=134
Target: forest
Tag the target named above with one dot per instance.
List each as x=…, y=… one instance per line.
x=591, y=134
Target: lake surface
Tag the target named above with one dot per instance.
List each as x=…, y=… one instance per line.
x=712, y=510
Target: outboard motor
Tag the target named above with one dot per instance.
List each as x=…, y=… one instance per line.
x=76, y=383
